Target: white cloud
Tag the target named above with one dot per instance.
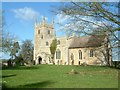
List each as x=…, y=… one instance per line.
x=26, y=13
x=60, y=18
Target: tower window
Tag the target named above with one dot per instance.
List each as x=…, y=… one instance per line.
x=91, y=53
x=48, y=31
x=42, y=37
x=38, y=31
x=58, y=42
x=47, y=43
x=80, y=54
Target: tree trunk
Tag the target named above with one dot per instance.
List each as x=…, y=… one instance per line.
x=108, y=52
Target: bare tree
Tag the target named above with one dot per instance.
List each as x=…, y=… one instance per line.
x=91, y=18
x=9, y=43
x=27, y=50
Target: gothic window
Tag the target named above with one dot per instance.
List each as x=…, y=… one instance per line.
x=38, y=31
x=48, y=31
x=58, y=54
x=72, y=56
x=91, y=53
x=47, y=43
x=58, y=42
x=80, y=54
x=42, y=37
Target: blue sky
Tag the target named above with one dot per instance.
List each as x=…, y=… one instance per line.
x=20, y=17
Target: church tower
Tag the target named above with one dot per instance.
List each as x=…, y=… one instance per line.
x=43, y=36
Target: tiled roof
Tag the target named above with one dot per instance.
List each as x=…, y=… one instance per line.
x=87, y=41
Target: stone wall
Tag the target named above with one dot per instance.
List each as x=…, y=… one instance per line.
x=97, y=58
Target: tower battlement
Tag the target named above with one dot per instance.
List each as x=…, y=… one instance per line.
x=44, y=23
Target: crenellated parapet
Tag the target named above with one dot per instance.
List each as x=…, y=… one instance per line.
x=44, y=23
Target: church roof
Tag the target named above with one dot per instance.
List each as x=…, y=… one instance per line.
x=87, y=41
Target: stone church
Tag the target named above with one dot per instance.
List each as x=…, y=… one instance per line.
x=71, y=50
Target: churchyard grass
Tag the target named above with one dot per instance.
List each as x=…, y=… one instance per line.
x=57, y=76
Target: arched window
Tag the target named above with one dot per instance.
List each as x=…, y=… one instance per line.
x=47, y=43
x=72, y=56
x=58, y=54
x=72, y=59
x=80, y=54
x=91, y=53
x=48, y=31
x=38, y=31
x=58, y=42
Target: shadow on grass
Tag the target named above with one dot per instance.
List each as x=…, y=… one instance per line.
x=20, y=68
x=37, y=85
x=32, y=85
x=5, y=76
x=4, y=86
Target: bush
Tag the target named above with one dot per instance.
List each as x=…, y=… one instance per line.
x=33, y=62
x=18, y=61
x=116, y=64
x=9, y=63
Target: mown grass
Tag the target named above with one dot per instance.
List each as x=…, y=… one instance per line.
x=53, y=76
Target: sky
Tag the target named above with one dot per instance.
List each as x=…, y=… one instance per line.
x=20, y=18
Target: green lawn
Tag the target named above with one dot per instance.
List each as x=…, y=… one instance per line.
x=53, y=76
